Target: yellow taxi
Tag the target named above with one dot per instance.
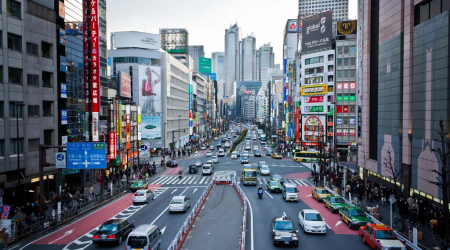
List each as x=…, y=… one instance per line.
x=276, y=156
x=320, y=193
x=380, y=236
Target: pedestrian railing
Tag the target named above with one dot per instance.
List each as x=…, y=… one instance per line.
x=244, y=217
x=180, y=237
x=374, y=220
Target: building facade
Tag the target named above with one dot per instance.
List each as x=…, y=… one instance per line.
x=217, y=61
x=247, y=59
x=308, y=8
x=231, y=63
x=196, y=51
x=265, y=60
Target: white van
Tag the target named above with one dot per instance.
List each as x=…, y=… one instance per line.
x=144, y=237
x=207, y=169
x=290, y=192
x=221, y=152
x=227, y=144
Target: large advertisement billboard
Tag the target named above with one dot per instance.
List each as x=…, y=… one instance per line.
x=150, y=127
x=150, y=98
x=345, y=28
x=135, y=39
x=313, y=127
x=204, y=65
x=124, y=85
x=316, y=32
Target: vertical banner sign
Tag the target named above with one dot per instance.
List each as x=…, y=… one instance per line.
x=86, y=65
x=128, y=122
x=297, y=122
x=95, y=69
x=112, y=145
x=191, y=130
x=120, y=123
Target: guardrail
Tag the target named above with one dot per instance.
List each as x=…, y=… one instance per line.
x=244, y=217
x=180, y=237
x=399, y=236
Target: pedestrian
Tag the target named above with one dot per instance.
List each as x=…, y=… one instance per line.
x=434, y=227
x=91, y=189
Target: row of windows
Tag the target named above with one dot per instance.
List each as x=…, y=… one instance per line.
x=429, y=9
x=33, y=144
x=33, y=110
x=313, y=60
x=346, y=50
x=15, y=43
x=346, y=73
x=315, y=70
x=346, y=61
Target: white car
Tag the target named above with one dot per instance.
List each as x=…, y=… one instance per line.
x=247, y=147
x=311, y=221
x=209, y=153
x=234, y=155
x=179, y=204
x=210, y=162
x=245, y=153
x=143, y=196
x=255, y=148
x=266, y=147
x=215, y=159
x=207, y=169
x=264, y=170
x=227, y=144
x=215, y=138
x=203, y=147
x=221, y=152
x=211, y=147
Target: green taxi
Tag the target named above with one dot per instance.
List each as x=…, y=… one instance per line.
x=354, y=216
x=274, y=186
x=136, y=185
x=334, y=203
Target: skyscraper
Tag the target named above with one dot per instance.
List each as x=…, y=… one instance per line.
x=247, y=58
x=308, y=8
x=217, y=61
x=231, y=64
x=196, y=51
x=265, y=61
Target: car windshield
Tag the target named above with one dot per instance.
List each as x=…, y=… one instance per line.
x=385, y=234
x=244, y=158
x=276, y=177
x=257, y=151
x=108, y=228
x=337, y=200
x=137, y=183
x=262, y=163
x=357, y=212
x=198, y=162
x=265, y=168
x=177, y=201
x=283, y=225
x=249, y=174
x=209, y=152
x=234, y=153
x=322, y=191
x=214, y=157
x=291, y=190
x=137, y=241
x=313, y=217
x=275, y=183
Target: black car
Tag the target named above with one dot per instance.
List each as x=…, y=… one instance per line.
x=257, y=153
x=219, y=145
x=224, y=140
x=171, y=164
x=269, y=152
x=192, y=169
x=283, y=231
x=113, y=231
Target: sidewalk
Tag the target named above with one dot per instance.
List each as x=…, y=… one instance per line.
x=219, y=222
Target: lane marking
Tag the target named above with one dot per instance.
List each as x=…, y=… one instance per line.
x=268, y=194
x=167, y=208
x=251, y=222
x=174, y=191
x=65, y=234
x=338, y=223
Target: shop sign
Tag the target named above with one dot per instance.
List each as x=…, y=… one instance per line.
x=339, y=85
x=339, y=121
x=352, y=132
x=345, y=98
x=95, y=68
x=352, y=98
x=338, y=132
x=313, y=108
x=310, y=144
x=345, y=85
x=345, y=132
x=70, y=171
x=352, y=85
x=314, y=89
x=345, y=109
x=311, y=99
x=112, y=145
x=352, y=121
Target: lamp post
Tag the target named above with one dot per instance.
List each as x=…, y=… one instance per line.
x=17, y=105
x=179, y=132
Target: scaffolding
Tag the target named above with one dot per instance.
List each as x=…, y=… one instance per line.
x=174, y=41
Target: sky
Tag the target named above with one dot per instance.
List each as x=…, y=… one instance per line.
x=206, y=20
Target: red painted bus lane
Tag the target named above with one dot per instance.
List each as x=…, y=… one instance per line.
x=333, y=220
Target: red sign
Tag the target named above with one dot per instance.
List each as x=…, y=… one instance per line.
x=345, y=109
x=345, y=132
x=310, y=144
x=352, y=132
x=125, y=85
x=249, y=92
x=95, y=68
x=338, y=132
x=128, y=118
x=112, y=145
x=311, y=99
x=339, y=109
x=339, y=85
x=345, y=85
x=352, y=85
x=297, y=121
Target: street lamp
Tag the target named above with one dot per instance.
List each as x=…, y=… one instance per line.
x=17, y=105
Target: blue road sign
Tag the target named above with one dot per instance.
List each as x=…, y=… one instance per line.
x=86, y=155
x=144, y=147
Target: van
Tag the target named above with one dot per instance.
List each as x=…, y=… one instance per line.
x=290, y=192
x=207, y=169
x=221, y=152
x=144, y=237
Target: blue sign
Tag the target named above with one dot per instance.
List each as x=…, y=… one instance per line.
x=63, y=90
x=109, y=61
x=144, y=147
x=86, y=155
x=60, y=160
x=63, y=116
x=213, y=76
x=63, y=63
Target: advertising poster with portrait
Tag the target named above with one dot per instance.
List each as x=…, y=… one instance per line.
x=150, y=90
x=151, y=127
x=313, y=127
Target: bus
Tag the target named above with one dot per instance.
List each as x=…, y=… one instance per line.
x=249, y=176
x=306, y=156
x=263, y=139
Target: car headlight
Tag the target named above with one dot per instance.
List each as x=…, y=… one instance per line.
x=295, y=238
x=277, y=237
x=354, y=220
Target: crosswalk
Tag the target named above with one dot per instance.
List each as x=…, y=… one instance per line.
x=203, y=180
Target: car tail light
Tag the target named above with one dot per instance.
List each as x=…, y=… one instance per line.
x=95, y=237
x=111, y=237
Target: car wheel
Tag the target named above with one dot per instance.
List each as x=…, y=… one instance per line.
x=349, y=225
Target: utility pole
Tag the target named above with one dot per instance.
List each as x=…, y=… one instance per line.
x=41, y=180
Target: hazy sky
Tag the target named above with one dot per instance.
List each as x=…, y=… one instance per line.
x=206, y=20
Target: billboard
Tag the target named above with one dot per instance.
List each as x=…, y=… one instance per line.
x=312, y=99
x=345, y=28
x=150, y=127
x=292, y=26
x=314, y=89
x=316, y=32
x=150, y=90
x=313, y=127
x=204, y=65
x=125, y=84
x=135, y=39
x=95, y=69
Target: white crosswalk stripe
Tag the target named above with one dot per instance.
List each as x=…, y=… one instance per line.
x=196, y=180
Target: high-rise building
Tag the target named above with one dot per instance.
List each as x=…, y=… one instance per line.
x=231, y=64
x=308, y=8
x=405, y=92
x=265, y=60
x=217, y=61
x=196, y=51
x=247, y=58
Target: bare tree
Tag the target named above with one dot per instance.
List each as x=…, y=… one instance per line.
x=392, y=167
x=441, y=181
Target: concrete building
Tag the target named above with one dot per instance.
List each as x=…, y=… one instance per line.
x=199, y=87
x=308, y=8
x=217, y=61
x=405, y=91
x=176, y=42
x=265, y=60
x=289, y=65
x=247, y=59
x=196, y=51
x=262, y=111
x=231, y=63
x=29, y=76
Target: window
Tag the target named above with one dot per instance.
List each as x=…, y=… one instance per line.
x=46, y=49
x=48, y=137
x=1, y=109
x=352, y=109
x=47, y=79
x=345, y=120
x=339, y=61
x=33, y=80
x=345, y=75
x=346, y=61
x=353, y=61
x=47, y=106
x=339, y=74
x=2, y=147
x=33, y=145
x=32, y=49
x=14, y=42
x=314, y=70
x=353, y=50
x=104, y=110
x=13, y=8
x=314, y=60
x=330, y=68
x=346, y=50
x=330, y=58
x=352, y=73
x=13, y=146
x=15, y=111
x=1, y=74
x=15, y=76
x=330, y=78
x=103, y=72
x=33, y=110
x=330, y=89
x=340, y=50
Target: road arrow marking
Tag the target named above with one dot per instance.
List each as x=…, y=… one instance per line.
x=174, y=191
x=65, y=234
x=268, y=194
x=195, y=190
x=309, y=195
x=328, y=226
x=162, y=230
x=338, y=223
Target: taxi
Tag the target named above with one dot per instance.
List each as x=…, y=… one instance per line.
x=276, y=156
x=354, y=216
x=334, y=203
x=380, y=236
x=319, y=193
x=136, y=185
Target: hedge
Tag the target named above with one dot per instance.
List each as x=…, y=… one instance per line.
x=240, y=139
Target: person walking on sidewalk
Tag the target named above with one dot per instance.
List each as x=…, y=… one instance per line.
x=434, y=227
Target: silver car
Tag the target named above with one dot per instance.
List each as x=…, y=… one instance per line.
x=264, y=170
x=179, y=204
x=143, y=196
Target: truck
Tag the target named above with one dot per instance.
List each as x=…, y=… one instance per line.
x=249, y=176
